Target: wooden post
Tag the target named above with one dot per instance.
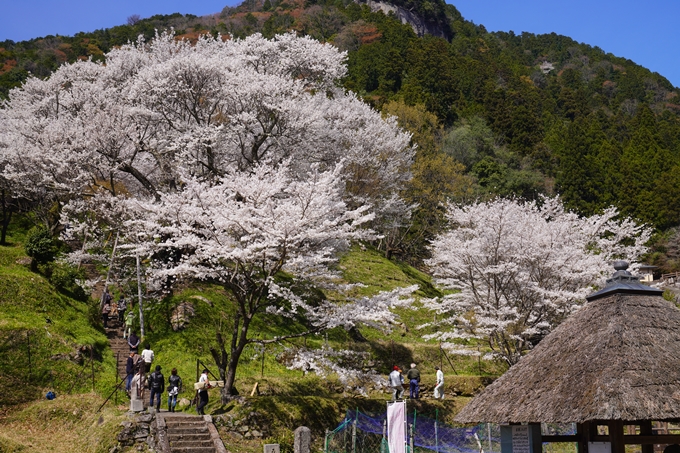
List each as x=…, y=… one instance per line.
x=583, y=434
x=616, y=436
x=646, y=430
x=262, y=367
x=479, y=360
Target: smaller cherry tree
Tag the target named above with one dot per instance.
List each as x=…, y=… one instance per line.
x=261, y=235
x=519, y=268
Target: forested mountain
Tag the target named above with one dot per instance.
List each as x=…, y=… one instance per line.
x=492, y=113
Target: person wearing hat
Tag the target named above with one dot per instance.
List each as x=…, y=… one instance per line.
x=157, y=386
x=395, y=381
x=203, y=392
x=439, y=387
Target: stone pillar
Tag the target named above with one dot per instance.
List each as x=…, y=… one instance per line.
x=303, y=440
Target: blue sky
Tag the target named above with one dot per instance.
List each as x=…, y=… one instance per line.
x=645, y=32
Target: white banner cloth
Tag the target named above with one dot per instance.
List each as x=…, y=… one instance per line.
x=396, y=427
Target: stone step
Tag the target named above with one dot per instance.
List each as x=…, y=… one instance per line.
x=184, y=419
x=192, y=443
x=183, y=431
x=175, y=426
x=177, y=419
x=186, y=425
x=193, y=450
x=173, y=437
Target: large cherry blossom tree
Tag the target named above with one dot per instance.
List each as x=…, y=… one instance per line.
x=259, y=234
x=238, y=162
x=519, y=268
x=128, y=126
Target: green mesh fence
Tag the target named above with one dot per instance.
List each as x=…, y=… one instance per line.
x=360, y=433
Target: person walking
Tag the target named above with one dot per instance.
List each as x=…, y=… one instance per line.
x=133, y=342
x=439, y=387
x=413, y=376
x=129, y=371
x=148, y=355
x=129, y=321
x=174, y=387
x=107, y=298
x=203, y=392
x=137, y=390
x=157, y=386
x=122, y=306
x=106, y=309
x=396, y=382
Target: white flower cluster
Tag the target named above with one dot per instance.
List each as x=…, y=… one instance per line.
x=347, y=366
x=520, y=268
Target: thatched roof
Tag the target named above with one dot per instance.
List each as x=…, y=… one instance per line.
x=617, y=358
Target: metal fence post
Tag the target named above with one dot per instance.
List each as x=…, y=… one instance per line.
x=488, y=430
x=354, y=436
x=436, y=429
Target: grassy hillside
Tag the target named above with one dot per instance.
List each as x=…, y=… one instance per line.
x=182, y=347
x=64, y=425
x=47, y=339
x=61, y=331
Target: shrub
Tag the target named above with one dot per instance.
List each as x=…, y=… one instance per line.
x=65, y=278
x=40, y=246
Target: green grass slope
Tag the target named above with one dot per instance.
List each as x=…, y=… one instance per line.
x=60, y=333
x=46, y=338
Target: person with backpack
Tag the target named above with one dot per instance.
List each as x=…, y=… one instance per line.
x=174, y=387
x=106, y=309
x=157, y=386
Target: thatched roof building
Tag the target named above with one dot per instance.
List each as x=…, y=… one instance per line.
x=615, y=359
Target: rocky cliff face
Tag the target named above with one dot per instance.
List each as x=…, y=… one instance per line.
x=420, y=25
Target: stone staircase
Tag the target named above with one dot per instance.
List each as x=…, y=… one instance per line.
x=188, y=433
x=119, y=346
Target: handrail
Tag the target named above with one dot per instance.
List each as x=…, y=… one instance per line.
x=114, y=391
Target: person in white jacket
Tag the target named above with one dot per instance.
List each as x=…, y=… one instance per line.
x=439, y=387
x=148, y=355
x=203, y=393
x=396, y=381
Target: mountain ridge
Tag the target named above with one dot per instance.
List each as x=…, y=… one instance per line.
x=521, y=113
